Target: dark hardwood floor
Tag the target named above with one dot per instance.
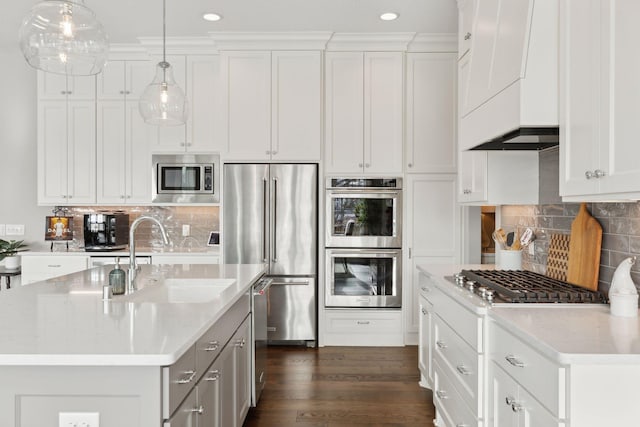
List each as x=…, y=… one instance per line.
x=342, y=386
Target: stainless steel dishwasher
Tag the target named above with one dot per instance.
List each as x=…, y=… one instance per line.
x=259, y=332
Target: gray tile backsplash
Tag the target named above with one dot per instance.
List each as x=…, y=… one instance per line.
x=620, y=233
x=201, y=219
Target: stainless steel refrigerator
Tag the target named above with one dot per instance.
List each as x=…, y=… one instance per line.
x=270, y=215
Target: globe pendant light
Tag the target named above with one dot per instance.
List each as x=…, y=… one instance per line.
x=64, y=37
x=163, y=102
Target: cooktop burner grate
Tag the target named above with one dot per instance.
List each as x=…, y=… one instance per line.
x=528, y=287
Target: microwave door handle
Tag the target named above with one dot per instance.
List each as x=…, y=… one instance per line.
x=264, y=219
x=274, y=257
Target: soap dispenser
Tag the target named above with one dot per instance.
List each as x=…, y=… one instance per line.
x=117, y=279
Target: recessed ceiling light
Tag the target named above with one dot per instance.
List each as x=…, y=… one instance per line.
x=211, y=17
x=389, y=16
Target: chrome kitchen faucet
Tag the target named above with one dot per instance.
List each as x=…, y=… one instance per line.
x=132, y=248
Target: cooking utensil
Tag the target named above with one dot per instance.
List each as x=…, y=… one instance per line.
x=499, y=238
x=584, y=250
x=527, y=237
x=510, y=238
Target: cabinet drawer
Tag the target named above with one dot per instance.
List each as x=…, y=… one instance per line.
x=211, y=343
x=462, y=363
x=448, y=402
x=35, y=268
x=427, y=287
x=177, y=381
x=466, y=323
x=186, y=413
x=539, y=375
x=363, y=322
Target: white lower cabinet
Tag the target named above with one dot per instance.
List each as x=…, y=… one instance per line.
x=424, y=343
x=360, y=327
x=36, y=268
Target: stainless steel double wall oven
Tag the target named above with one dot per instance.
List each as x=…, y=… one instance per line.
x=363, y=242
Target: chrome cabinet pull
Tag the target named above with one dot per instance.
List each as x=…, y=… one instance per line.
x=441, y=344
x=516, y=407
x=423, y=311
x=442, y=394
x=215, y=376
x=599, y=173
x=211, y=346
x=425, y=289
x=463, y=370
x=462, y=425
x=363, y=322
x=359, y=165
x=187, y=377
x=199, y=410
x=240, y=343
x=54, y=265
x=410, y=165
x=514, y=361
x=589, y=174
x=509, y=400
x=467, y=36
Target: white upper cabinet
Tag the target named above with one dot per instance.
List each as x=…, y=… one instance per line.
x=296, y=90
x=431, y=113
x=599, y=101
x=273, y=104
x=123, y=157
x=512, y=69
x=364, y=112
x=66, y=140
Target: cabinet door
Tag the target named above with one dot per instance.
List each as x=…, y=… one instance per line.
x=137, y=76
x=466, y=11
x=472, y=176
x=344, y=114
x=246, y=81
x=111, y=82
x=138, y=139
x=111, y=152
x=431, y=112
x=580, y=131
x=209, y=397
x=424, y=342
x=186, y=414
x=81, y=88
x=503, y=392
x=203, y=91
x=432, y=222
x=52, y=86
x=226, y=363
x=242, y=342
x=383, y=112
x=52, y=152
x=81, y=152
x=619, y=103
x=296, y=106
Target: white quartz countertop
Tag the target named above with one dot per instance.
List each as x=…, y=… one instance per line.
x=574, y=333
x=64, y=321
x=567, y=333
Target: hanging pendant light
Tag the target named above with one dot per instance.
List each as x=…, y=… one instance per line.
x=163, y=102
x=64, y=37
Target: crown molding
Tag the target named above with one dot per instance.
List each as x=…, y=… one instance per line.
x=434, y=42
x=123, y=52
x=308, y=40
x=379, y=42
x=179, y=45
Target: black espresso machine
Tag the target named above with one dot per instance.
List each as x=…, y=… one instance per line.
x=106, y=231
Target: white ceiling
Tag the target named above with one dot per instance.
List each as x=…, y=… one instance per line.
x=125, y=20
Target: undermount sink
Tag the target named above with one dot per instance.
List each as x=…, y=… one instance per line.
x=200, y=290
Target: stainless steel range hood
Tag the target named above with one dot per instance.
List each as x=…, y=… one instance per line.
x=524, y=138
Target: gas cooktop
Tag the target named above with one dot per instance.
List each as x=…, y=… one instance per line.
x=521, y=286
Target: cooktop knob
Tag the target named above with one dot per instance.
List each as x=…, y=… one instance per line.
x=471, y=285
x=482, y=290
x=489, y=295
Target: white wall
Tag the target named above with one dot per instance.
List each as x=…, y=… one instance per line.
x=18, y=148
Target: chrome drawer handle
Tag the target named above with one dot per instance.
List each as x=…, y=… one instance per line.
x=363, y=322
x=215, y=376
x=441, y=344
x=463, y=370
x=187, y=377
x=199, y=410
x=514, y=361
x=211, y=346
x=462, y=425
x=599, y=173
x=442, y=394
x=423, y=311
x=467, y=36
x=425, y=289
x=54, y=265
x=516, y=407
x=240, y=343
x=589, y=174
x=509, y=400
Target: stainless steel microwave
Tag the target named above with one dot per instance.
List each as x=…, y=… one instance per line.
x=186, y=178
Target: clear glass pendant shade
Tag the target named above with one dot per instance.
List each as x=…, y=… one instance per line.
x=163, y=102
x=64, y=37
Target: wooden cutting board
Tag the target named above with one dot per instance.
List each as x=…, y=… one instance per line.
x=584, y=250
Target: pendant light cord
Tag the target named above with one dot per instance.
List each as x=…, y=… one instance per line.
x=164, y=30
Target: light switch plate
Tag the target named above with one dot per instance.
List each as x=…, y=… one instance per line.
x=78, y=419
x=15, y=230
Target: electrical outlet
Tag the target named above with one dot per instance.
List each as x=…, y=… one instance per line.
x=186, y=230
x=3, y=230
x=15, y=230
x=531, y=248
x=79, y=419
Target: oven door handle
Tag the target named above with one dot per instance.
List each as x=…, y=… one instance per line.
x=262, y=287
x=364, y=194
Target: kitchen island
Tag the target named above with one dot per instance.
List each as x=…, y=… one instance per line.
x=525, y=364
x=134, y=360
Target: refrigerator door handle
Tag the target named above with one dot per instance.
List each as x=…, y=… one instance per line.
x=264, y=219
x=274, y=255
